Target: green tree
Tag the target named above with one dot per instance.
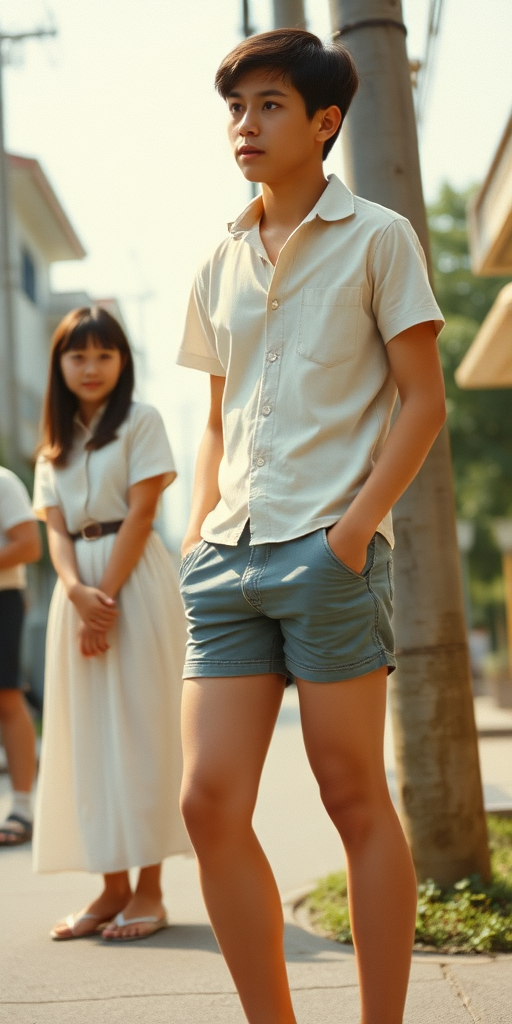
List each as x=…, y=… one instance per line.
x=479, y=422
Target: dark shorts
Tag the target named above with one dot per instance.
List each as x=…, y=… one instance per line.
x=11, y=622
x=290, y=608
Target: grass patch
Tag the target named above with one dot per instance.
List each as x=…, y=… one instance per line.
x=469, y=917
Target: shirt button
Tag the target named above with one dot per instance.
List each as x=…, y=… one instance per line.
x=260, y=461
x=275, y=304
x=266, y=410
x=272, y=356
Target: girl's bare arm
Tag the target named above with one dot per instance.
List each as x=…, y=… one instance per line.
x=131, y=539
x=95, y=608
x=206, y=494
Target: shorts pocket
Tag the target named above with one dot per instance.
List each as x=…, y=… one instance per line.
x=370, y=555
x=328, y=326
x=186, y=562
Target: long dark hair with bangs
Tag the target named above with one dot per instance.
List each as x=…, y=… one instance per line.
x=60, y=404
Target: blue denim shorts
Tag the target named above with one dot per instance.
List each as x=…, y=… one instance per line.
x=291, y=608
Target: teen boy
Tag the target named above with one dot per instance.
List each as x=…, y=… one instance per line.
x=308, y=317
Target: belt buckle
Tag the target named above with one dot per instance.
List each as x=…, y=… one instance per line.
x=92, y=531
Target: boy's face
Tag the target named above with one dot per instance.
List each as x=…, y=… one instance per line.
x=269, y=130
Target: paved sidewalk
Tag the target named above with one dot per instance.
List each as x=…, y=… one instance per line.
x=178, y=976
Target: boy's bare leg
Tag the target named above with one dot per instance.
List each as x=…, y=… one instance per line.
x=343, y=726
x=227, y=728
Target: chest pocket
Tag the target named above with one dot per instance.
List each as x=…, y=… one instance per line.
x=329, y=322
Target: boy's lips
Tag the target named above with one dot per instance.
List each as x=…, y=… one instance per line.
x=249, y=151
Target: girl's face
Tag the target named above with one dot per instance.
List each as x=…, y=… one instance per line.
x=91, y=374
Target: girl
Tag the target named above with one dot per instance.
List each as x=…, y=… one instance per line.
x=111, y=759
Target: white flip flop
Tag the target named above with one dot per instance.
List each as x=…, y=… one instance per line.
x=71, y=922
x=156, y=924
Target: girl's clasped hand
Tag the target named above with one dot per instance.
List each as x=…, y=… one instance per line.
x=98, y=613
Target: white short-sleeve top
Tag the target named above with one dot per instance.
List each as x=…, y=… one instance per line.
x=93, y=486
x=309, y=391
x=14, y=509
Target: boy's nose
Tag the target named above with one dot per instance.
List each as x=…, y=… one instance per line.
x=247, y=127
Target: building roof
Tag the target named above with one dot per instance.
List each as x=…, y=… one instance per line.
x=490, y=214
x=37, y=205
x=488, y=362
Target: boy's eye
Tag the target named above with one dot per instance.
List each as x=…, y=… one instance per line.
x=269, y=104
x=235, y=108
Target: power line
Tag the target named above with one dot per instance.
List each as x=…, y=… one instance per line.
x=426, y=68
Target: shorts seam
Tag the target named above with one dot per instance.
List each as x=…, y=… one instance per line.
x=378, y=661
x=348, y=664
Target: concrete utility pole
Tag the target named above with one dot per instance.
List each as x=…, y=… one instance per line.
x=289, y=14
x=435, y=736
x=9, y=418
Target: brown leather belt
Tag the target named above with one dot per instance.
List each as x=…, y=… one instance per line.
x=93, y=531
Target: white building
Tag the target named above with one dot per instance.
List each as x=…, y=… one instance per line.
x=41, y=234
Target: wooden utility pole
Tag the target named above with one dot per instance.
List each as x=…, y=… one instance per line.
x=433, y=717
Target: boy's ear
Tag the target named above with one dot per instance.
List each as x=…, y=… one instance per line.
x=330, y=121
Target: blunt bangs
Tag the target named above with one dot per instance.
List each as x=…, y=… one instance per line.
x=92, y=324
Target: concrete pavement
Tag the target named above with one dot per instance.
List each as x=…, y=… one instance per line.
x=178, y=976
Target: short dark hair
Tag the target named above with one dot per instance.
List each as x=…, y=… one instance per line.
x=60, y=404
x=323, y=75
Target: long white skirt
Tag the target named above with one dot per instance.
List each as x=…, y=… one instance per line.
x=111, y=758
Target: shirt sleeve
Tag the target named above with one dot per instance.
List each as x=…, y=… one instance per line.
x=150, y=452
x=15, y=505
x=198, y=348
x=402, y=296
x=45, y=490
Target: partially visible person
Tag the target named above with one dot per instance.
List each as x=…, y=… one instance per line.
x=19, y=544
x=111, y=756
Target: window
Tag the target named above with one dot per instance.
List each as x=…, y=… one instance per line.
x=28, y=275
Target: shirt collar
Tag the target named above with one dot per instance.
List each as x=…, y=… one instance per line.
x=89, y=430
x=335, y=203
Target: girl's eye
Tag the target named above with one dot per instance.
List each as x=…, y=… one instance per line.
x=235, y=108
x=269, y=105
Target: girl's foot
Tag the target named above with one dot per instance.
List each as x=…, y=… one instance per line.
x=91, y=919
x=139, y=905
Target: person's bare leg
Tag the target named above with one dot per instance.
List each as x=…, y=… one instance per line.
x=115, y=895
x=19, y=740
x=227, y=728
x=343, y=726
x=146, y=901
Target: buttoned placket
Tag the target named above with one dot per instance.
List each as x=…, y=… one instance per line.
x=84, y=458
x=272, y=357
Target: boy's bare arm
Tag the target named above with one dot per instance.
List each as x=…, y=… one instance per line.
x=24, y=545
x=415, y=365
x=206, y=494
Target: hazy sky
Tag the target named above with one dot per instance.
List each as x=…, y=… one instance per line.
x=121, y=112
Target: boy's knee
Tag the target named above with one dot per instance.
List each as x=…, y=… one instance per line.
x=211, y=815
x=352, y=811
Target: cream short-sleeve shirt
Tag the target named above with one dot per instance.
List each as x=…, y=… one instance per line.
x=308, y=394
x=93, y=486
x=14, y=509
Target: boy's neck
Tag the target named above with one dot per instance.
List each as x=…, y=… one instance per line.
x=285, y=205
x=288, y=201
